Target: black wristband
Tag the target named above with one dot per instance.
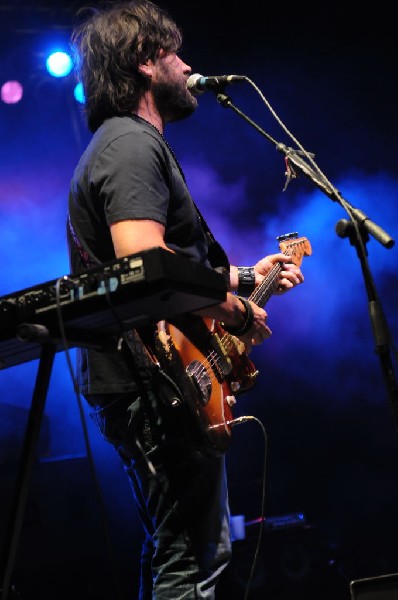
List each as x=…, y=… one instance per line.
x=246, y=280
x=248, y=322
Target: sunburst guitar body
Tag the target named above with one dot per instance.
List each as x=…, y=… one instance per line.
x=210, y=366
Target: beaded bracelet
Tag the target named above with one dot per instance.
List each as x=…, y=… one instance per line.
x=248, y=322
x=246, y=280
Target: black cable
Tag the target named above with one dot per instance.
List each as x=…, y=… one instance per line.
x=237, y=421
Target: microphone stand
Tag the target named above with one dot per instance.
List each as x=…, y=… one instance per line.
x=357, y=229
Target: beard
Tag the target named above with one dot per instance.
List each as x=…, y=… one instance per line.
x=173, y=100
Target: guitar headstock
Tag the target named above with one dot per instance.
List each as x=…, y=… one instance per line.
x=295, y=247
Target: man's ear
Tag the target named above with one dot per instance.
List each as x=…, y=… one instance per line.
x=146, y=69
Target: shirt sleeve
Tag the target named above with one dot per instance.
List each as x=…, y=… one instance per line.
x=130, y=179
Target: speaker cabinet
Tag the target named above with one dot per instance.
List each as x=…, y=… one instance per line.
x=384, y=587
x=293, y=563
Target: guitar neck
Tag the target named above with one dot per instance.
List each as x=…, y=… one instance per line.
x=293, y=247
x=267, y=287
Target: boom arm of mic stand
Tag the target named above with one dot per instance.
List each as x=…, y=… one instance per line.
x=296, y=159
x=355, y=213
x=360, y=225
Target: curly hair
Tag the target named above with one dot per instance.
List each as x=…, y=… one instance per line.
x=108, y=46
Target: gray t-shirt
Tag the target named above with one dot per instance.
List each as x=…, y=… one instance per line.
x=128, y=171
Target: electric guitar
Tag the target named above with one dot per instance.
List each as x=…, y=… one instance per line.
x=210, y=366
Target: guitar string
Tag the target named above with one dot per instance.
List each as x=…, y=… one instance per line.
x=212, y=360
x=256, y=295
x=227, y=339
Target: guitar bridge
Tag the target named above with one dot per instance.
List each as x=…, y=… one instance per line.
x=200, y=380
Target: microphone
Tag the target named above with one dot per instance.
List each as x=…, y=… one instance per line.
x=197, y=84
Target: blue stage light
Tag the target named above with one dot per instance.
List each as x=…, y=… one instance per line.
x=79, y=93
x=59, y=64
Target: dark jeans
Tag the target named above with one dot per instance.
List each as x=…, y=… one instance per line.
x=181, y=495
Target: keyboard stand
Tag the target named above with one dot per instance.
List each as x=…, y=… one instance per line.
x=17, y=512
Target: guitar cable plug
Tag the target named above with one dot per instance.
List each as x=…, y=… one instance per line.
x=240, y=420
x=236, y=421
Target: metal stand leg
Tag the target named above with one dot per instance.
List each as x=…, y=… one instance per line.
x=27, y=458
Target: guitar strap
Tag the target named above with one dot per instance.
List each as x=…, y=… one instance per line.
x=216, y=253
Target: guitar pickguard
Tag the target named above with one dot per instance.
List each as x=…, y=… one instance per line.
x=189, y=350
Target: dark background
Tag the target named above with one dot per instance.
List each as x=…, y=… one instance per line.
x=329, y=74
